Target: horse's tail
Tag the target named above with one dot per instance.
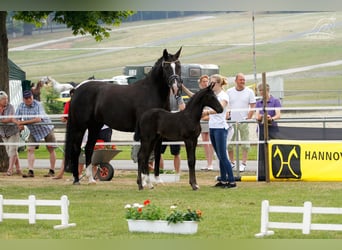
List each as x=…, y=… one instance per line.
x=68, y=145
x=137, y=132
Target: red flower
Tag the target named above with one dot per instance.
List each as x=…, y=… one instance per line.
x=199, y=213
x=147, y=202
x=139, y=209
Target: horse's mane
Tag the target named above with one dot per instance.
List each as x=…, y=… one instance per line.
x=197, y=95
x=155, y=67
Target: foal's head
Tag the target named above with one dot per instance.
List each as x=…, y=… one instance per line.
x=207, y=97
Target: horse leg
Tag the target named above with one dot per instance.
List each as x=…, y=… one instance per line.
x=74, y=153
x=142, y=176
x=143, y=172
x=89, y=148
x=157, y=154
x=191, y=154
x=139, y=178
x=89, y=166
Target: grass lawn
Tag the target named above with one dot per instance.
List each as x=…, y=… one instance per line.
x=98, y=210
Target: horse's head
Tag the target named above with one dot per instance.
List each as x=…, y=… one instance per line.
x=40, y=84
x=172, y=71
x=211, y=100
x=45, y=80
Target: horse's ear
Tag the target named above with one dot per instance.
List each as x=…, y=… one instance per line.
x=211, y=86
x=165, y=54
x=178, y=53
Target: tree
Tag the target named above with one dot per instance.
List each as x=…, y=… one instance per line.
x=96, y=23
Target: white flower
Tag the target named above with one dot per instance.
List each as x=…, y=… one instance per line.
x=128, y=206
x=173, y=207
x=137, y=205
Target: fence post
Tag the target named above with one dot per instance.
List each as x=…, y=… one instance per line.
x=237, y=152
x=64, y=214
x=32, y=209
x=264, y=216
x=64, y=210
x=307, y=217
x=1, y=207
x=265, y=205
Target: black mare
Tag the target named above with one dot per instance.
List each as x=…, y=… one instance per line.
x=94, y=104
x=156, y=124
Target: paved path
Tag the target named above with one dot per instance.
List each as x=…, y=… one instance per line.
x=130, y=165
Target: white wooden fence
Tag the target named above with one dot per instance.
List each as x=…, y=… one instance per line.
x=306, y=225
x=32, y=216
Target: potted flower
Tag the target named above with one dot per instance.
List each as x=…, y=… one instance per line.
x=148, y=217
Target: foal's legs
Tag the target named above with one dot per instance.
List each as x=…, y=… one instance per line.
x=157, y=154
x=147, y=145
x=191, y=154
x=143, y=173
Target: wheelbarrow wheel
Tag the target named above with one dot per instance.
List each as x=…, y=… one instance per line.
x=105, y=172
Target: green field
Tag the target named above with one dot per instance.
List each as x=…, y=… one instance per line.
x=98, y=210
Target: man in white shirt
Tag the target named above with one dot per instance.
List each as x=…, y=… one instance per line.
x=242, y=103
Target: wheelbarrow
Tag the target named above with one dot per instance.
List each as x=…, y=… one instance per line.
x=104, y=171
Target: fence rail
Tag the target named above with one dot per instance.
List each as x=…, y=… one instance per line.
x=32, y=203
x=306, y=225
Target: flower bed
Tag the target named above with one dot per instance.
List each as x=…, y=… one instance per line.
x=148, y=217
x=162, y=226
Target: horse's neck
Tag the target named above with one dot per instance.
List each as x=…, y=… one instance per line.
x=194, y=109
x=39, y=85
x=161, y=87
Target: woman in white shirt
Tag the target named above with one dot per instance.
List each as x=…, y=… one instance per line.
x=218, y=128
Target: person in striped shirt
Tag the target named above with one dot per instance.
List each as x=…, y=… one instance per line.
x=31, y=113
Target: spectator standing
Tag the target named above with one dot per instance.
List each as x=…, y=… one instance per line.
x=208, y=148
x=218, y=131
x=105, y=134
x=242, y=103
x=32, y=112
x=9, y=133
x=176, y=104
x=273, y=113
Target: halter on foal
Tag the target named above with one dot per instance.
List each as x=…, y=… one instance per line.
x=95, y=103
x=156, y=124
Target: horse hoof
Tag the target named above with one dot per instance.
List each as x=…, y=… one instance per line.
x=93, y=182
x=195, y=187
x=76, y=183
x=89, y=172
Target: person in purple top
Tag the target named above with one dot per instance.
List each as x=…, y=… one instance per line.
x=273, y=111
